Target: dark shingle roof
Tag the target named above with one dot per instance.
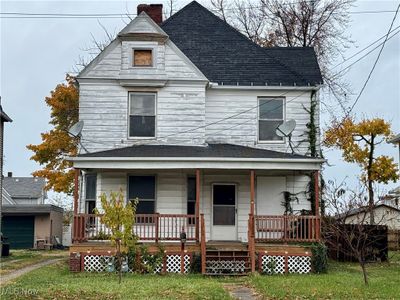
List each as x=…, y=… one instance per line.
x=3, y=116
x=212, y=150
x=24, y=187
x=226, y=56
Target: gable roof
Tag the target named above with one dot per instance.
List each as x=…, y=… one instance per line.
x=356, y=211
x=227, y=57
x=3, y=116
x=24, y=187
x=211, y=150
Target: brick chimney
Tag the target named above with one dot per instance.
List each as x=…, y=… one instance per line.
x=153, y=10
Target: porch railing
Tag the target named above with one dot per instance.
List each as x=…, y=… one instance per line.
x=287, y=228
x=155, y=227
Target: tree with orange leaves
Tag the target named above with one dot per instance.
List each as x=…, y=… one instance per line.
x=358, y=142
x=57, y=144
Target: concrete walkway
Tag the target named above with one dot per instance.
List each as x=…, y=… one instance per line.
x=242, y=292
x=17, y=273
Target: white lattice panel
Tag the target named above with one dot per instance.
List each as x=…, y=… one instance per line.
x=95, y=263
x=173, y=262
x=299, y=264
x=225, y=266
x=157, y=269
x=273, y=264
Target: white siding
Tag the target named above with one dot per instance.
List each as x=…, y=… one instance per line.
x=171, y=192
x=243, y=129
x=104, y=110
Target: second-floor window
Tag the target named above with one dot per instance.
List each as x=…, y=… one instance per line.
x=270, y=116
x=142, y=115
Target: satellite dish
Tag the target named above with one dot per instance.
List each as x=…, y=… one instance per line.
x=76, y=129
x=286, y=128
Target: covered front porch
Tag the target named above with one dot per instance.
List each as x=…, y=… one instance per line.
x=223, y=202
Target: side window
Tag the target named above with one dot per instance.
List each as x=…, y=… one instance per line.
x=270, y=116
x=142, y=115
x=90, y=193
x=143, y=188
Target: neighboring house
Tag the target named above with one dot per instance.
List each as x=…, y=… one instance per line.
x=4, y=118
x=27, y=221
x=182, y=114
x=388, y=215
x=24, y=190
x=383, y=214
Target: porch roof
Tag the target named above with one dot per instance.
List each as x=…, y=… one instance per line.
x=211, y=156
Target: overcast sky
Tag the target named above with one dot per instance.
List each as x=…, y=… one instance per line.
x=36, y=54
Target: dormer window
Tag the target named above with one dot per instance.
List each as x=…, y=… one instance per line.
x=142, y=58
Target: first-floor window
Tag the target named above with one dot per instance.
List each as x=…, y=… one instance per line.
x=90, y=193
x=142, y=115
x=143, y=188
x=191, y=197
x=270, y=116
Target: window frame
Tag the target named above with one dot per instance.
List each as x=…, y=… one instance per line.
x=129, y=137
x=155, y=189
x=87, y=200
x=190, y=177
x=153, y=49
x=283, y=99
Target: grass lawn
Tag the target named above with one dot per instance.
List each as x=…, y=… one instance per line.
x=22, y=258
x=56, y=282
x=343, y=281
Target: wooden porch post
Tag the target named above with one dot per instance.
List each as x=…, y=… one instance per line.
x=251, y=223
x=197, y=207
x=76, y=191
x=317, y=213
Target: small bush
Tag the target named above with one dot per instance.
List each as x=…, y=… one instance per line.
x=319, y=259
x=195, y=266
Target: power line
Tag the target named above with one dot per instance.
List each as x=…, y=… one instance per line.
x=27, y=15
x=376, y=61
x=365, y=48
x=366, y=54
x=212, y=123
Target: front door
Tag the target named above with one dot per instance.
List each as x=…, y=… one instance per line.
x=224, y=212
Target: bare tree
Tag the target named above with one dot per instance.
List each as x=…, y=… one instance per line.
x=346, y=229
x=319, y=23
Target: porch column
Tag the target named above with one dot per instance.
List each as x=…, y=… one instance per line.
x=76, y=191
x=252, y=192
x=197, y=206
x=317, y=212
x=251, y=237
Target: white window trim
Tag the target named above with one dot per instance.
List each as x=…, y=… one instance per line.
x=153, y=49
x=281, y=142
x=129, y=114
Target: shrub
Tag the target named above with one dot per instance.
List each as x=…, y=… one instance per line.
x=319, y=259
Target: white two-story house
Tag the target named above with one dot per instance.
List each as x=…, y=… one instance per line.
x=183, y=114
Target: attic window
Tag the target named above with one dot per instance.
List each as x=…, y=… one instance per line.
x=142, y=58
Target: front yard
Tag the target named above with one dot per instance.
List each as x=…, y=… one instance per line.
x=22, y=258
x=344, y=281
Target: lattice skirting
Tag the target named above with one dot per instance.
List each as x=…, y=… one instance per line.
x=225, y=266
x=281, y=264
x=171, y=263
